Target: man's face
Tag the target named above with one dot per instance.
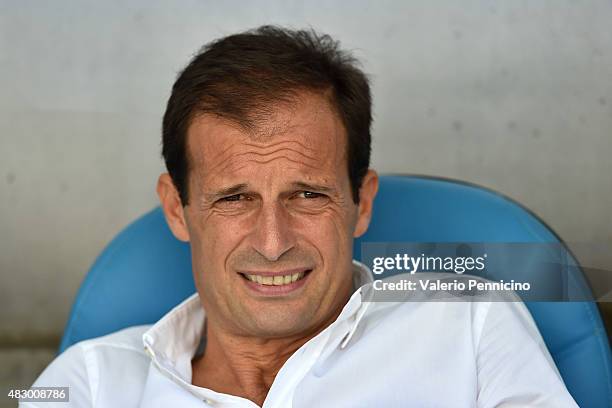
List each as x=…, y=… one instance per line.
x=271, y=219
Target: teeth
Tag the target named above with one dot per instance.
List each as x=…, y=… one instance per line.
x=275, y=280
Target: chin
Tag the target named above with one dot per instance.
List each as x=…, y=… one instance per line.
x=280, y=324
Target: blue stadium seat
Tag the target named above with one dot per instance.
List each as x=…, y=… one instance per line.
x=145, y=271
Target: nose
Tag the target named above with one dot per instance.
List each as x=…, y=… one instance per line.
x=273, y=236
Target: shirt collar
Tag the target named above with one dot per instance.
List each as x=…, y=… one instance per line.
x=173, y=340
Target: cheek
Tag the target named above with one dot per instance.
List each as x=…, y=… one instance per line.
x=216, y=239
x=330, y=232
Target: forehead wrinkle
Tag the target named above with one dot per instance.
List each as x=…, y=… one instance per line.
x=280, y=142
x=299, y=153
x=224, y=163
x=232, y=167
x=282, y=149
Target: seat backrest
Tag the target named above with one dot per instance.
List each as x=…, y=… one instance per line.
x=145, y=271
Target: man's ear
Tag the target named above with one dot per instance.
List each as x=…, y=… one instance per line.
x=367, y=192
x=171, y=205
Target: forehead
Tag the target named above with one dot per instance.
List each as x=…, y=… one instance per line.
x=306, y=135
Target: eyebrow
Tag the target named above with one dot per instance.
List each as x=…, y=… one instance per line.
x=228, y=191
x=314, y=187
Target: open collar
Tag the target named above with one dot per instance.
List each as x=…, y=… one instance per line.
x=173, y=340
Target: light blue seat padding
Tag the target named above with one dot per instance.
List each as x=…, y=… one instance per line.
x=145, y=271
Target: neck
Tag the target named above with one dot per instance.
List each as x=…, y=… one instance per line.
x=246, y=366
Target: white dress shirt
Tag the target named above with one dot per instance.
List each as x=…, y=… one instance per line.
x=376, y=354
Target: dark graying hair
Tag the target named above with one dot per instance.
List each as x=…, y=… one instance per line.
x=240, y=77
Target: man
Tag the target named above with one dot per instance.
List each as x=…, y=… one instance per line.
x=266, y=138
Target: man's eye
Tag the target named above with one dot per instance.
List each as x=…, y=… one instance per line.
x=309, y=200
x=235, y=197
x=309, y=194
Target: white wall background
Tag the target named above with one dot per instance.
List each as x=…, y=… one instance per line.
x=514, y=95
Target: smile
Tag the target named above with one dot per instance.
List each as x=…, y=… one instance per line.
x=275, y=283
x=276, y=280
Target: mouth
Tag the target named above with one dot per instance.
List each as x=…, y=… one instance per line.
x=276, y=279
x=275, y=283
